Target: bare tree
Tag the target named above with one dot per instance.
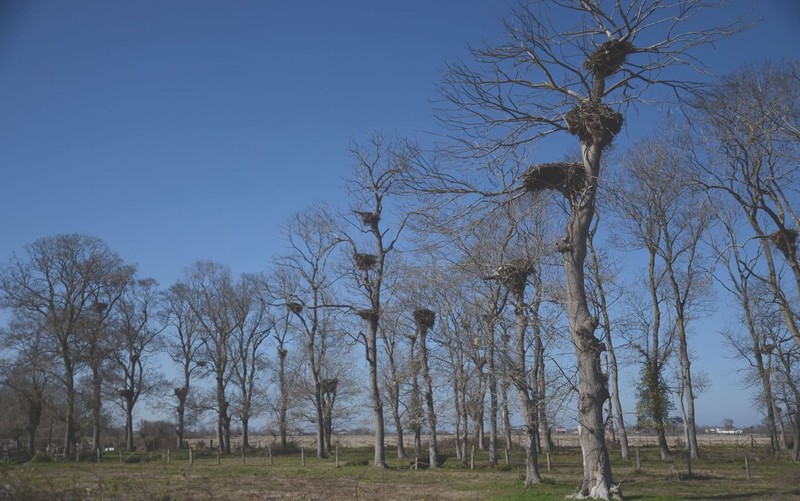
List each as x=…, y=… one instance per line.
x=211, y=299
x=28, y=373
x=566, y=72
x=748, y=138
x=304, y=283
x=601, y=275
x=182, y=345
x=251, y=316
x=58, y=287
x=377, y=173
x=136, y=337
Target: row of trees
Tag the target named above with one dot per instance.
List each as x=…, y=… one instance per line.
x=444, y=272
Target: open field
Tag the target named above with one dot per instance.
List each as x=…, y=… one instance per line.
x=719, y=475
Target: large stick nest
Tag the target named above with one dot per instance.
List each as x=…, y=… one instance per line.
x=365, y=262
x=608, y=58
x=785, y=240
x=368, y=218
x=367, y=315
x=567, y=177
x=329, y=385
x=294, y=307
x=424, y=317
x=594, y=123
x=514, y=274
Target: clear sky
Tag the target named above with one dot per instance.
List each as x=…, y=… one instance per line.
x=186, y=130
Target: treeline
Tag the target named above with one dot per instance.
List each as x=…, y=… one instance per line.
x=475, y=287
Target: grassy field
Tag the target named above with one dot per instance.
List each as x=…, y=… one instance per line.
x=720, y=475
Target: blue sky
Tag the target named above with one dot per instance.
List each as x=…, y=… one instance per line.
x=186, y=130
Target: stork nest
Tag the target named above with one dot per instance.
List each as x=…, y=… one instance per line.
x=294, y=307
x=368, y=218
x=181, y=392
x=785, y=240
x=514, y=274
x=594, y=123
x=329, y=385
x=608, y=58
x=367, y=315
x=424, y=317
x=365, y=262
x=567, y=177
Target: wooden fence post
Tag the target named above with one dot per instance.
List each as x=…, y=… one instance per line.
x=302, y=456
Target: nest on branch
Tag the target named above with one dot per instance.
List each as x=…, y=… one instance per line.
x=594, y=123
x=295, y=307
x=514, y=274
x=181, y=392
x=424, y=318
x=563, y=176
x=329, y=385
x=367, y=315
x=608, y=58
x=785, y=240
x=365, y=262
x=126, y=393
x=368, y=218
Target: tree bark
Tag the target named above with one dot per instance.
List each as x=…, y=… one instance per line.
x=592, y=386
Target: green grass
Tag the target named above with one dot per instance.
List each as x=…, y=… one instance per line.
x=719, y=475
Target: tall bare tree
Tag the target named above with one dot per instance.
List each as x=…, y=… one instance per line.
x=183, y=346
x=136, y=338
x=749, y=138
x=58, y=285
x=254, y=322
x=374, y=181
x=305, y=279
x=212, y=298
x=566, y=70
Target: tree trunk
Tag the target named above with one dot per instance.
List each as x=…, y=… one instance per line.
x=426, y=376
x=283, y=411
x=34, y=418
x=592, y=386
x=97, y=386
x=493, y=406
x=129, y=425
x=525, y=390
x=375, y=394
x=69, y=418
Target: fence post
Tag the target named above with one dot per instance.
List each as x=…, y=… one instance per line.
x=746, y=465
x=302, y=456
x=337, y=455
x=638, y=464
x=548, y=461
x=472, y=459
x=507, y=463
x=270, y=455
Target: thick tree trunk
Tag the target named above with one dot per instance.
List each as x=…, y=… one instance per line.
x=69, y=418
x=283, y=411
x=34, y=418
x=493, y=405
x=129, y=425
x=592, y=385
x=97, y=386
x=375, y=394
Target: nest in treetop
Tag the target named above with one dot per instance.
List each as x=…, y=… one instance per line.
x=329, y=385
x=424, y=317
x=562, y=176
x=365, y=262
x=594, y=122
x=608, y=58
x=368, y=218
x=785, y=240
x=514, y=274
x=125, y=393
x=181, y=392
x=295, y=307
x=367, y=315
